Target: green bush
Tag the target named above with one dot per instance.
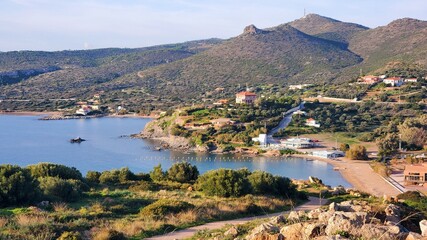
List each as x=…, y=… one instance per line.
x=54, y=170
x=183, y=172
x=93, y=177
x=162, y=207
x=224, y=183
x=17, y=186
x=157, y=174
x=357, y=152
x=57, y=189
x=144, y=186
x=70, y=236
x=117, y=176
x=262, y=183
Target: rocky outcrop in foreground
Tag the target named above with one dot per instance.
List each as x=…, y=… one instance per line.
x=346, y=220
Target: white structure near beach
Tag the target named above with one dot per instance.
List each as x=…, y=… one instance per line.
x=328, y=154
x=297, y=143
x=312, y=123
x=262, y=139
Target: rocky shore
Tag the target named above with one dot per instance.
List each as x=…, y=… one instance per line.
x=68, y=117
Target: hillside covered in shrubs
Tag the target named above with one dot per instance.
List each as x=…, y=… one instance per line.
x=50, y=201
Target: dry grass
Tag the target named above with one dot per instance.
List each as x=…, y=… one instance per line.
x=31, y=220
x=130, y=228
x=3, y=222
x=60, y=207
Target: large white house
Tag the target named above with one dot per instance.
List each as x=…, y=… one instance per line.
x=262, y=139
x=394, y=81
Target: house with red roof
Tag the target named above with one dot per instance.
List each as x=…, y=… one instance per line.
x=246, y=97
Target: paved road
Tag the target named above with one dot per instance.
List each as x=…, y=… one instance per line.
x=189, y=232
x=283, y=123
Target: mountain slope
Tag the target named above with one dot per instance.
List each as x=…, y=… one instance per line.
x=401, y=40
x=327, y=28
x=281, y=55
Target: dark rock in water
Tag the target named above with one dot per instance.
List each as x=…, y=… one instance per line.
x=77, y=140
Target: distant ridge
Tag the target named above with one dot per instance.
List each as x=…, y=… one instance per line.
x=311, y=49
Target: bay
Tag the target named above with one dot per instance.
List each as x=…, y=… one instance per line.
x=25, y=140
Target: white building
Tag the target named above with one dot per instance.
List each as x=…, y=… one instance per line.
x=414, y=80
x=328, y=154
x=301, y=86
x=85, y=110
x=312, y=123
x=262, y=139
x=394, y=81
x=297, y=143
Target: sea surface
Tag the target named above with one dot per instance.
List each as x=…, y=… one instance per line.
x=25, y=140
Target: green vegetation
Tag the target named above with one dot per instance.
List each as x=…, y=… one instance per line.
x=119, y=204
x=357, y=152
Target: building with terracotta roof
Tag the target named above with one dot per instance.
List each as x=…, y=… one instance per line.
x=246, y=97
x=415, y=174
x=369, y=80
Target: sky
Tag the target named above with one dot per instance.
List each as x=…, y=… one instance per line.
x=53, y=25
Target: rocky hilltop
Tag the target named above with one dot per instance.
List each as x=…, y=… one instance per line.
x=354, y=219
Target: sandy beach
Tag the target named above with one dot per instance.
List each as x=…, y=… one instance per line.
x=360, y=175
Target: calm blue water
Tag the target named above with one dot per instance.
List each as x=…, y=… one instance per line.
x=25, y=140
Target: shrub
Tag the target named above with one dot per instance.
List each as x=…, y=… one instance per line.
x=60, y=189
x=109, y=234
x=144, y=186
x=224, y=183
x=54, y=170
x=117, y=176
x=70, y=236
x=157, y=174
x=183, y=172
x=357, y=152
x=93, y=177
x=228, y=148
x=17, y=186
x=262, y=183
x=163, y=207
x=344, y=147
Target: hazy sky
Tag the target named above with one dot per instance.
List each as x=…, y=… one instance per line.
x=87, y=24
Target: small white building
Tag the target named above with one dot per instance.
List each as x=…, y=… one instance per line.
x=301, y=86
x=262, y=139
x=299, y=112
x=312, y=123
x=297, y=143
x=84, y=110
x=394, y=81
x=413, y=80
x=328, y=154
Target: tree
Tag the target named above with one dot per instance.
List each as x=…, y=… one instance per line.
x=54, y=170
x=17, y=186
x=60, y=189
x=183, y=172
x=93, y=176
x=224, y=183
x=262, y=183
x=357, y=152
x=388, y=145
x=157, y=173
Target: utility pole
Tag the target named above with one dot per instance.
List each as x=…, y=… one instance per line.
x=304, y=12
x=400, y=142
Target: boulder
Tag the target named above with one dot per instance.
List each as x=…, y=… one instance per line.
x=423, y=227
x=314, y=214
x=371, y=231
x=293, y=232
x=345, y=221
x=267, y=236
x=335, y=237
x=414, y=236
x=393, y=214
x=265, y=229
x=233, y=231
x=296, y=216
x=313, y=230
x=333, y=207
x=278, y=219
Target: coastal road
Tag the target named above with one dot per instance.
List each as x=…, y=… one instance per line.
x=313, y=203
x=287, y=118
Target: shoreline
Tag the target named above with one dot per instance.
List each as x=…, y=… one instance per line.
x=28, y=113
x=359, y=174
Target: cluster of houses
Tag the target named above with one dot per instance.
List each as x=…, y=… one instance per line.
x=86, y=107
x=392, y=81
